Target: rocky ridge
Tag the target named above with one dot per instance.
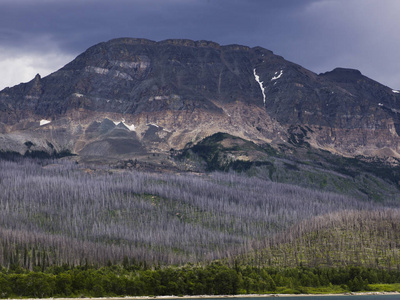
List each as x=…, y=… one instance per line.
x=128, y=98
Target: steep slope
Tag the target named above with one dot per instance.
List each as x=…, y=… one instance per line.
x=163, y=95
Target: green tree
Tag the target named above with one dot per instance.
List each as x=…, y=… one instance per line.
x=358, y=284
x=226, y=282
x=63, y=284
x=39, y=285
x=5, y=289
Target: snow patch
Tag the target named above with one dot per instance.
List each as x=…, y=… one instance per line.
x=78, y=95
x=130, y=127
x=278, y=76
x=161, y=98
x=396, y=92
x=260, y=84
x=152, y=124
x=44, y=122
x=380, y=104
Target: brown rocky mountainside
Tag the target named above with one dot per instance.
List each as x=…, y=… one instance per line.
x=127, y=98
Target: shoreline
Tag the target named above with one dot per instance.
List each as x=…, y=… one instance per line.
x=227, y=296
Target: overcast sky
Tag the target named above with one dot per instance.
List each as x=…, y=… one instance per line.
x=40, y=36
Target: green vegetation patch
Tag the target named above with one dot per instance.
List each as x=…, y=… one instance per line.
x=131, y=279
x=368, y=239
x=224, y=152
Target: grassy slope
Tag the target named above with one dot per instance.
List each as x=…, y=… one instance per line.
x=368, y=239
x=295, y=164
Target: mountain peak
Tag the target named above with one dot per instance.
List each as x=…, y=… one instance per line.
x=346, y=71
x=343, y=75
x=342, y=72
x=193, y=89
x=130, y=41
x=176, y=42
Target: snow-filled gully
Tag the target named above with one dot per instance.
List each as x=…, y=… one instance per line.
x=260, y=83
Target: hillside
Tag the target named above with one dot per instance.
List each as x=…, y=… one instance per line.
x=336, y=240
x=296, y=163
x=105, y=215
x=69, y=230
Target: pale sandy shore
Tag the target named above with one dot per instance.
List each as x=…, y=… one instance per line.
x=224, y=296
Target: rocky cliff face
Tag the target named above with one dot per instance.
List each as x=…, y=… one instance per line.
x=130, y=97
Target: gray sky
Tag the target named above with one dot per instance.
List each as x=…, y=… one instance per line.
x=40, y=36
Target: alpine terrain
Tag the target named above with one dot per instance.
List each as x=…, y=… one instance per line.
x=128, y=98
x=185, y=167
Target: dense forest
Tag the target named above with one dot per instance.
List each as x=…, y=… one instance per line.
x=212, y=279
x=135, y=233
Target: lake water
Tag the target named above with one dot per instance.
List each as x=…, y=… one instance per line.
x=347, y=297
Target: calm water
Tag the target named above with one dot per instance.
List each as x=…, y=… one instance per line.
x=349, y=297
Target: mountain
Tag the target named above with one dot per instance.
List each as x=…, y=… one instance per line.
x=316, y=205
x=139, y=99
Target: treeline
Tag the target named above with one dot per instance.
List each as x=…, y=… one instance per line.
x=213, y=279
x=55, y=212
x=350, y=238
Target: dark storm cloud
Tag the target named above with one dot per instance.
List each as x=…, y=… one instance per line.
x=75, y=24
x=314, y=33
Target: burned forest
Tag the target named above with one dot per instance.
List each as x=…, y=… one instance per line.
x=56, y=212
